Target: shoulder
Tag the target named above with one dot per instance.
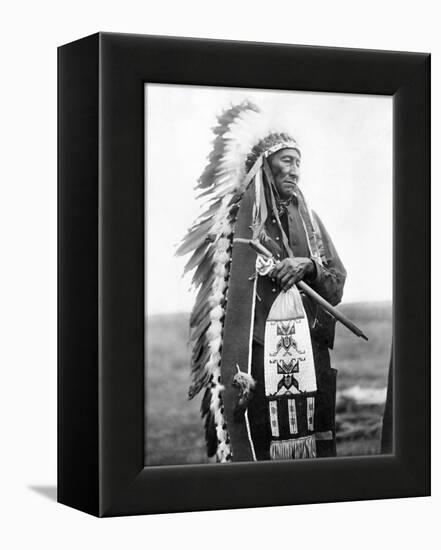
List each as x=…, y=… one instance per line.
x=317, y=220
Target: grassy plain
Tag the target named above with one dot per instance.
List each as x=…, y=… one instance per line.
x=173, y=424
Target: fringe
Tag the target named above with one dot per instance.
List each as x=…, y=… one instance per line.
x=303, y=447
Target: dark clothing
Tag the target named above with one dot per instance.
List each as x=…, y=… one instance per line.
x=328, y=282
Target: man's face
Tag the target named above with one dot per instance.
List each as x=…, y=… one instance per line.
x=285, y=166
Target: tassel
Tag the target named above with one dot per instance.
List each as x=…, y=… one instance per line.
x=246, y=384
x=303, y=447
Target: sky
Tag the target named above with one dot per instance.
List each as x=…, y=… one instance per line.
x=346, y=177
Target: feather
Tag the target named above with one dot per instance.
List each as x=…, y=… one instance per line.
x=219, y=145
x=205, y=289
x=198, y=351
x=195, y=237
x=214, y=207
x=195, y=388
x=198, y=384
x=210, y=434
x=218, y=191
x=197, y=256
x=205, y=403
x=203, y=270
x=200, y=329
x=201, y=382
x=199, y=348
x=209, y=241
x=203, y=357
x=199, y=312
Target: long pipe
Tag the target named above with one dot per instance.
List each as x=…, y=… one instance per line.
x=260, y=249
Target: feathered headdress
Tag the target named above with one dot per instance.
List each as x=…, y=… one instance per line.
x=242, y=137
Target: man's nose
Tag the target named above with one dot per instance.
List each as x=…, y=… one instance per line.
x=294, y=170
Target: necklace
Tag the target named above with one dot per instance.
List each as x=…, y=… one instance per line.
x=282, y=204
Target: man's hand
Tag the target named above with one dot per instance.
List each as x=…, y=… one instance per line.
x=291, y=270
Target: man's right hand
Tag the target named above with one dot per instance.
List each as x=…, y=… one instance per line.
x=291, y=270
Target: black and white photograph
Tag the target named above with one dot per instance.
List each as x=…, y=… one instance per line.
x=221, y=224
x=268, y=281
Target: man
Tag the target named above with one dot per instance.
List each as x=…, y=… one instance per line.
x=259, y=347
x=328, y=280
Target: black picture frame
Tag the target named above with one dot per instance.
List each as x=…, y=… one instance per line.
x=101, y=274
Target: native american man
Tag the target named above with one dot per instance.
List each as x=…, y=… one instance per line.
x=260, y=348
